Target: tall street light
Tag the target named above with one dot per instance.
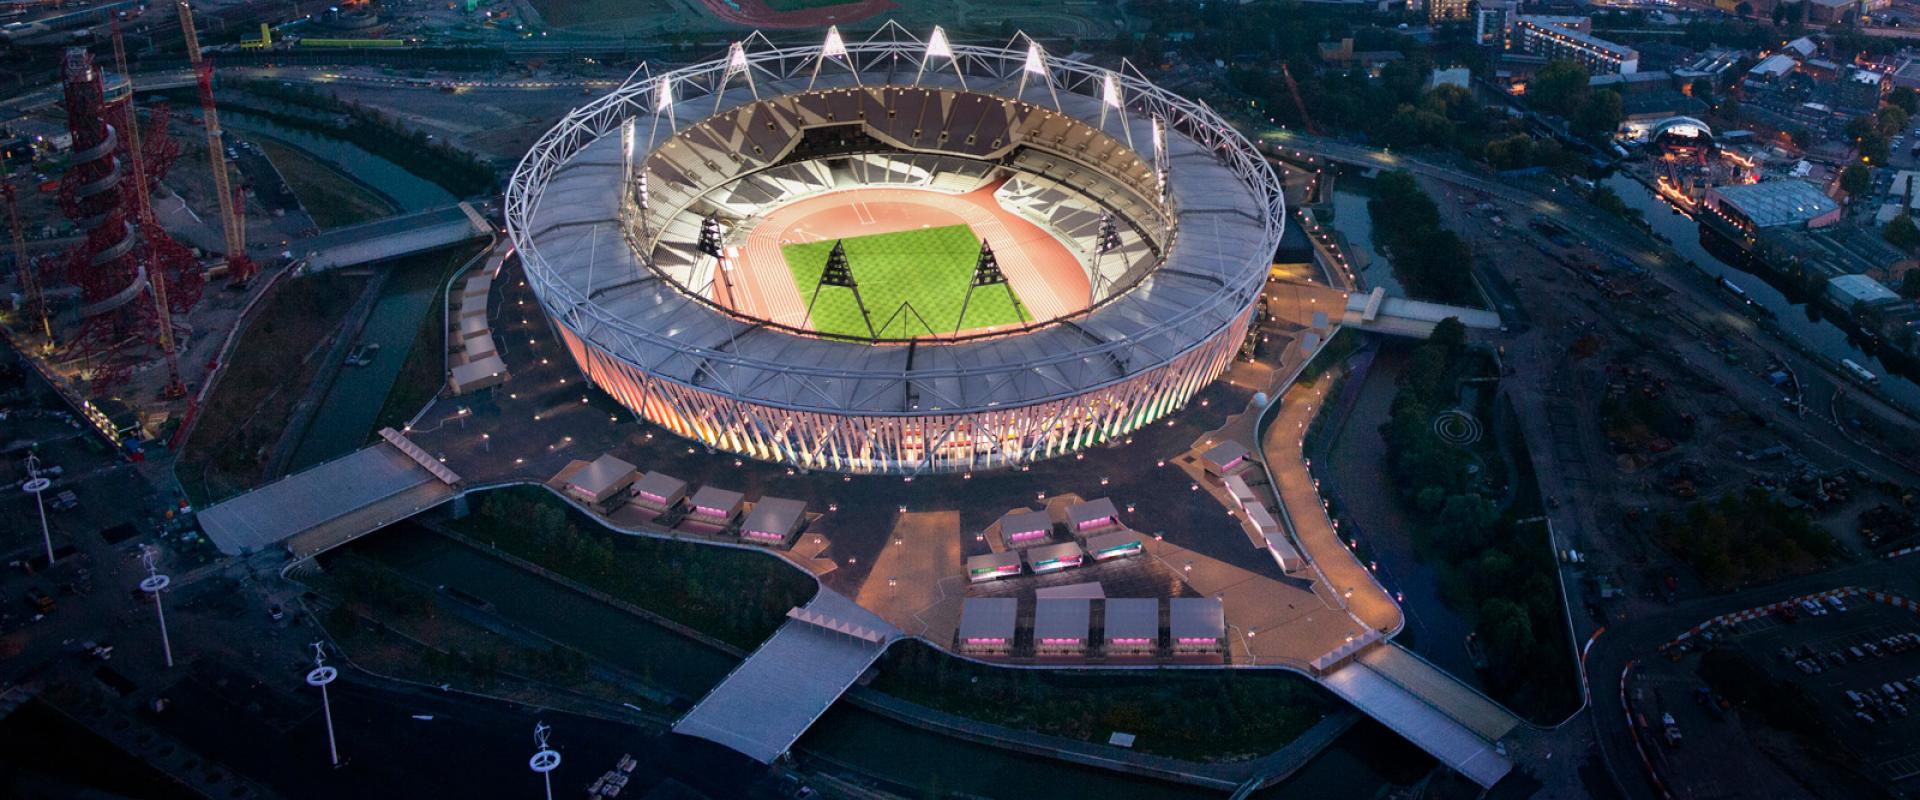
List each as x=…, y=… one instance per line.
x=546, y=759
x=153, y=584
x=320, y=676
x=37, y=486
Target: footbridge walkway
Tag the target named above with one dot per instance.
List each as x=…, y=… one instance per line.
x=333, y=503
x=768, y=701
x=392, y=237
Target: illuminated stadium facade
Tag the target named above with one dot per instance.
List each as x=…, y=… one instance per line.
x=636, y=220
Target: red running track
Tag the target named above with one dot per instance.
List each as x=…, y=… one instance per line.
x=1049, y=280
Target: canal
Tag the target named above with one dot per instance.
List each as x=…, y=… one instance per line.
x=1355, y=223
x=408, y=191
x=1362, y=763
x=1820, y=336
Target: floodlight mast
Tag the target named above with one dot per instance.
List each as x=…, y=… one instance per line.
x=36, y=486
x=320, y=676
x=153, y=584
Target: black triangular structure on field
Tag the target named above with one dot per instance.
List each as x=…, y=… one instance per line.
x=839, y=273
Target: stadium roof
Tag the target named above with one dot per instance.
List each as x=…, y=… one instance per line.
x=564, y=213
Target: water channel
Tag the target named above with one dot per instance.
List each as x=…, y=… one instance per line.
x=1360, y=764
x=1821, y=336
x=408, y=191
x=1353, y=221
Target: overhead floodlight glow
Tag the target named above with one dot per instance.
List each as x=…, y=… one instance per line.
x=1159, y=142
x=1110, y=91
x=736, y=59
x=937, y=44
x=663, y=94
x=835, y=47
x=1036, y=60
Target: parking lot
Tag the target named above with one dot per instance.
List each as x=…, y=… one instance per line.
x=1859, y=662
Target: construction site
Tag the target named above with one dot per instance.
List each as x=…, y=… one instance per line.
x=121, y=316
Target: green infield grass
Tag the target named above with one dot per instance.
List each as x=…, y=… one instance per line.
x=928, y=269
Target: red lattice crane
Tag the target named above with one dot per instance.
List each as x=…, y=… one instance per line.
x=168, y=263
x=239, y=267
x=29, y=277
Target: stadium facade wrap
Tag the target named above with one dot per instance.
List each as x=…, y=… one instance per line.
x=629, y=213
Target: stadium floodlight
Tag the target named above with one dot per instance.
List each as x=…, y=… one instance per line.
x=1110, y=91
x=838, y=272
x=986, y=272
x=736, y=65
x=939, y=47
x=1036, y=59
x=1036, y=65
x=663, y=94
x=1161, y=160
x=1106, y=241
x=833, y=47
x=710, y=235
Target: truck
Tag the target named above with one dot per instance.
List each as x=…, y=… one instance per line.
x=1859, y=373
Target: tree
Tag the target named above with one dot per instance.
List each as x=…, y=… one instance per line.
x=1902, y=233
x=1702, y=90
x=1599, y=116
x=1904, y=99
x=1890, y=121
x=1855, y=180
x=1558, y=88
x=1508, y=630
x=1910, y=280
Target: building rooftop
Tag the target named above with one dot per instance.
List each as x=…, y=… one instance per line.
x=988, y=618
x=1061, y=618
x=660, y=484
x=1862, y=289
x=1778, y=202
x=1774, y=66
x=1196, y=618
x=1024, y=521
x=1133, y=618
x=1096, y=509
x=775, y=515
x=1049, y=552
x=602, y=476
x=715, y=497
x=1224, y=453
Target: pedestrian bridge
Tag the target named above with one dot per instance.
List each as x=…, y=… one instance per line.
x=392, y=237
x=1429, y=708
x=333, y=503
x=768, y=701
x=1399, y=316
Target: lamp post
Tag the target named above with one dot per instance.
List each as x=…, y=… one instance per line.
x=320, y=676
x=546, y=759
x=36, y=486
x=153, y=584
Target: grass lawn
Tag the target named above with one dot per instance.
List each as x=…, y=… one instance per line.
x=1200, y=715
x=331, y=198
x=928, y=269
x=737, y=596
x=277, y=358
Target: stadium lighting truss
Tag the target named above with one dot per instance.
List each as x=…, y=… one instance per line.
x=894, y=56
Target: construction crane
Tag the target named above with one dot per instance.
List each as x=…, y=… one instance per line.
x=1298, y=104
x=29, y=282
x=239, y=267
x=143, y=219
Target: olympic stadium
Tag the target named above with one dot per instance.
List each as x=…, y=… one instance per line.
x=897, y=255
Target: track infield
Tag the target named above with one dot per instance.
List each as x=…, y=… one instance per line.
x=927, y=269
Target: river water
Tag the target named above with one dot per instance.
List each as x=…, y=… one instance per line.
x=1351, y=219
x=1360, y=764
x=408, y=191
x=1821, y=337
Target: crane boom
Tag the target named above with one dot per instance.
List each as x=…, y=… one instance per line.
x=238, y=265
x=28, y=280
x=143, y=215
